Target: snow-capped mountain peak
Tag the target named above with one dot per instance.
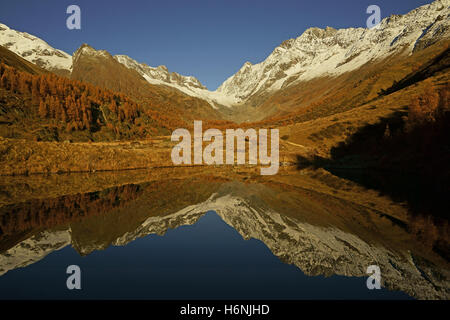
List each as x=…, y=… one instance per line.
x=34, y=49
x=330, y=52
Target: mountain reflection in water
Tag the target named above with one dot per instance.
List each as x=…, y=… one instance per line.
x=225, y=234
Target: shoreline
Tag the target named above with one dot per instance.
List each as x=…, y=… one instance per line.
x=19, y=157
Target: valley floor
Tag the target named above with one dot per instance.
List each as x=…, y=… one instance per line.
x=24, y=157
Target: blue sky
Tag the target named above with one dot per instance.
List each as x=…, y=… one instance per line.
x=209, y=39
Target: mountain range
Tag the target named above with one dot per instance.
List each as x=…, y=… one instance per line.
x=316, y=54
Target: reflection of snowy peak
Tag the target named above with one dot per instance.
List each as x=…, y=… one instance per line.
x=315, y=250
x=159, y=226
x=319, y=52
x=33, y=249
x=330, y=251
x=34, y=49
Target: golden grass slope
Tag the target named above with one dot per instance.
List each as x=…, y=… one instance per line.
x=11, y=59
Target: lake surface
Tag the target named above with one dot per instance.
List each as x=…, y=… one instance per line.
x=192, y=234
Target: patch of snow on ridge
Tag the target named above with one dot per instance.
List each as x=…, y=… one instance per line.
x=187, y=84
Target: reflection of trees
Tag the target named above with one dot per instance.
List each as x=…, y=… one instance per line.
x=49, y=213
x=102, y=216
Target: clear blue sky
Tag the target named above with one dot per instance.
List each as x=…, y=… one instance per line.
x=209, y=39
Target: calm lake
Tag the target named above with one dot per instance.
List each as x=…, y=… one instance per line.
x=193, y=234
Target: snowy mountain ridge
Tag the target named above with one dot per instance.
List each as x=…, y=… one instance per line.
x=186, y=84
x=34, y=49
x=330, y=52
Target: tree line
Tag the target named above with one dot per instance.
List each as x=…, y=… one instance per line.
x=74, y=105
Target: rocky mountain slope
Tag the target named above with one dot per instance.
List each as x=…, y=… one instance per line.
x=160, y=74
x=315, y=54
x=99, y=68
x=102, y=69
x=43, y=55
